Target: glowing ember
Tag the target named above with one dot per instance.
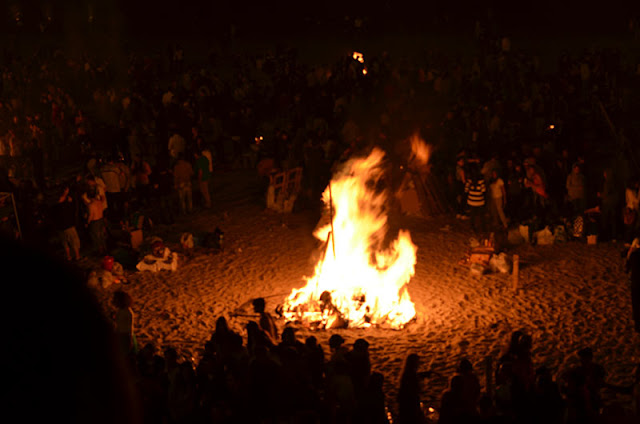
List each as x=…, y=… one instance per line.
x=358, y=282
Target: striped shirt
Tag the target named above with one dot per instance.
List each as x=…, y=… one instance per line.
x=475, y=192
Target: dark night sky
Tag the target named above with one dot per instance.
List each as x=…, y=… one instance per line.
x=139, y=17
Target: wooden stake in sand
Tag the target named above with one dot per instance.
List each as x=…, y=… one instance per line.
x=516, y=271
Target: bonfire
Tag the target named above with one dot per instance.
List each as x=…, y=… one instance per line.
x=361, y=279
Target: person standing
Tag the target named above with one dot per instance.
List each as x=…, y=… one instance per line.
x=203, y=169
x=125, y=182
x=111, y=175
x=161, y=193
x=267, y=322
x=515, y=187
x=475, y=189
x=609, y=199
x=535, y=182
x=460, y=180
x=410, y=411
x=182, y=174
x=95, y=222
x=576, y=190
x=630, y=214
x=177, y=146
x=124, y=319
x=141, y=171
x=64, y=216
x=498, y=200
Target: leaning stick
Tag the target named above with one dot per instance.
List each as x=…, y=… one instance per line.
x=333, y=240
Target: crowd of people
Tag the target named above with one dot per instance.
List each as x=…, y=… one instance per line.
x=262, y=375
x=89, y=143
x=129, y=121
x=67, y=361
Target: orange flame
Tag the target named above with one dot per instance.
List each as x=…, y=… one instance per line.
x=367, y=284
x=420, y=151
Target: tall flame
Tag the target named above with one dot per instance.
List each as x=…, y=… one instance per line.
x=420, y=151
x=367, y=283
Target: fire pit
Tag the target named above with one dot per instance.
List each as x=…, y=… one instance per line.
x=359, y=281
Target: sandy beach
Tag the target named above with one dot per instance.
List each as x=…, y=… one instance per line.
x=571, y=295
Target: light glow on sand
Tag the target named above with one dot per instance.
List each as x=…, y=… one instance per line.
x=366, y=279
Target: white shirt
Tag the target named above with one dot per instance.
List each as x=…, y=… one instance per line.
x=496, y=188
x=177, y=145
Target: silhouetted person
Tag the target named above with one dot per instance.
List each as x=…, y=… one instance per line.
x=470, y=387
x=290, y=342
x=314, y=360
x=548, y=403
x=583, y=384
x=267, y=322
x=222, y=338
x=124, y=321
x=372, y=405
x=359, y=365
x=341, y=397
x=264, y=378
x=633, y=267
x=610, y=202
x=594, y=375
x=65, y=361
x=452, y=408
x=409, y=410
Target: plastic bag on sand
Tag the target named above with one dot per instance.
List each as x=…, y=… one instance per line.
x=544, y=236
x=476, y=269
x=500, y=263
x=168, y=261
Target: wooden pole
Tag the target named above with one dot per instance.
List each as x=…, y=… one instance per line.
x=333, y=240
x=516, y=271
